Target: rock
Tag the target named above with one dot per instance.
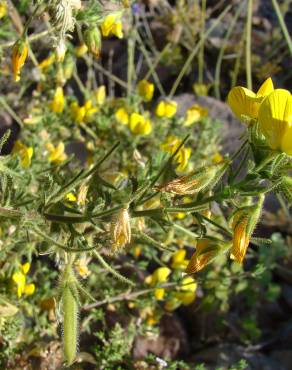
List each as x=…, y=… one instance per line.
x=171, y=341
x=231, y=130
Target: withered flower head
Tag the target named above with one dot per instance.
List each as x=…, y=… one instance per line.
x=120, y=229
x=243, y=225
x=190, y=184
x=206, y=251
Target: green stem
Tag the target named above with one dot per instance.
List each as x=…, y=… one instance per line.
x=131, y=56
x=222, y=50
x=111, y=270
x=282, y=25
x=248, y=45
x=195, y=50
x=202, y=46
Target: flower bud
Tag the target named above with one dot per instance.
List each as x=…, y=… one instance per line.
x=120, y=229
x=61, y=50
x=145, y=90
x=92, y=39
x=68, y=67
x=19, y=55
x=58, y=103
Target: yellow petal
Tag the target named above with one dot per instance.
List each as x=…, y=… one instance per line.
x=186, y=298
x=182, y=158
x=179, y=255
x=145, y=90
x=29, y=289
x=100, y=95
x=170, y=108
x=71, y=197
x=243, y=103
x=266, y=88
x=107, y=24
x=117, y=29
x=188, y=284
x=160, y=109
x=194, y=114
x=287, y=140
x=26, y=156
x=25, y=267
x=19, y=278
x=122, y=116
x=160, y=275
x=275, y=119
x=159, y=293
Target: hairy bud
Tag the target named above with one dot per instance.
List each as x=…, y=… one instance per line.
x=92, y=39
x=120, y=229
x=204, y=178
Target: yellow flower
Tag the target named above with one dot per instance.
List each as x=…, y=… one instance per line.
x=187, y=293
x=77, y=112
x=112, y=24
x=275, y=120
x=120, y=229
x=217, y=158
x=47, y=62
x=58, y=103
x=19, y=278
x=90, y=110
x=145, y=90
x=19, y=55
x=122, y=116
x=182, y=157
x=178, y=259
x=166, y=109
x=70, y=197
x=140, y=125
x=171, y=143
x=57, y=154
x=25, y=153
x=194, y=114
x=3, y=8
x=100, y=95
x=159, y=276
x=245, y=103
x=81, y=266
x=84, y=113
x=81, y=50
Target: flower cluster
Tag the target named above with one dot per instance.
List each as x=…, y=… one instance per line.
x=270, y=109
